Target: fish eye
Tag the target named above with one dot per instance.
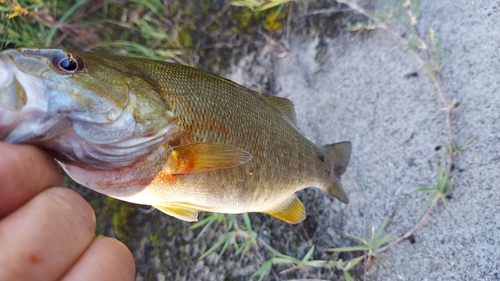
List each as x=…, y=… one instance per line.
x=68, y=63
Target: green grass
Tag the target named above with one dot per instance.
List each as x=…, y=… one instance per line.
x=139, y=30
x=240, y=237
x=370, y=246
x=144, y=28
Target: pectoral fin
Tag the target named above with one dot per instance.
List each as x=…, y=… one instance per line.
x=290, y=211
x=201, y=157
x=178, y=212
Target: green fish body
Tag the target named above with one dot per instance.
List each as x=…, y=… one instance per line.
x=163, y=134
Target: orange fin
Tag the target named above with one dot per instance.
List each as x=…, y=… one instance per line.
x=178, y=212
x=201, y=157
x=340, y=154
x=290, y=211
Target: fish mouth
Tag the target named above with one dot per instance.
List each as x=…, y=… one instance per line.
x=12, y=95
x=22, y=101
x=73, y=122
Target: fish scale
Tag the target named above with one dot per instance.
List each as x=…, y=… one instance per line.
x=196, y=142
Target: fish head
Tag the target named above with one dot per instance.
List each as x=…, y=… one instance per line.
x=41, y=90
x=83, y=108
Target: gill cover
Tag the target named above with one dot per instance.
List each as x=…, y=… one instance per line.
x=88, y=111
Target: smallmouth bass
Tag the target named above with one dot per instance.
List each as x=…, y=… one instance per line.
x=167, y=135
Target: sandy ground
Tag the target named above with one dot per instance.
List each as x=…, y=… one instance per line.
x=395, y=123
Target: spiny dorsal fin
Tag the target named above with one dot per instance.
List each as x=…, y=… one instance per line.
x=283, y=106
x=180, y=213
x=290, y=211
x=201, y=157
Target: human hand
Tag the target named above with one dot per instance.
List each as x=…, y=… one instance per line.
x=47, y=232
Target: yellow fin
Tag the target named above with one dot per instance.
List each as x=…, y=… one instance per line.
x=283, y=106
x=290, y=211
x=200, y=157
x=178, y=212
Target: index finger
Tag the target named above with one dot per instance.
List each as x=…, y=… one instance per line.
x=24, y=172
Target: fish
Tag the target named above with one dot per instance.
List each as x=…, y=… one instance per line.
x=162, y=134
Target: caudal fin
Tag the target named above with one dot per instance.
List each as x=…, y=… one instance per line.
x=340, y=153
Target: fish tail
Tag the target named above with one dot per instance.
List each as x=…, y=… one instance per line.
x=339, y=153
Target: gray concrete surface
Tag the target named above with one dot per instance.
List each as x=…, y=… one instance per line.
x=395, y=124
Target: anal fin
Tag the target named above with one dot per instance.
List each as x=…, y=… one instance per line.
x=179, y=212
x=289, y=211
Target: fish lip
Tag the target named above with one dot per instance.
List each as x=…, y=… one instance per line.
x=7, y=83
x=8, y=103
x=22, y=99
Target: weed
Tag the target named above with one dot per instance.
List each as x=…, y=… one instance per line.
x=443, y=186
x=209, y=221
x=258, y=6
x=369, y=246
x=240, y=237
x=17, y=23
x=62, y=19
x=141, y=30
x=280, y=259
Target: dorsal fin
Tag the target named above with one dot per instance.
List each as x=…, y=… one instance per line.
x=283, y=106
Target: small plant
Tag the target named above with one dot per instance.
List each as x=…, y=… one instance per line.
x=240, y=237
x=15, y=24
x=139, y=30
x=305, y=262
x=443, y=186
x=208, y=222
x=369, y=247
x=444, y=182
